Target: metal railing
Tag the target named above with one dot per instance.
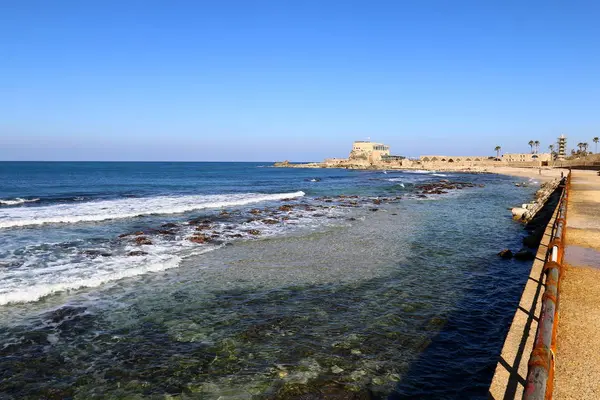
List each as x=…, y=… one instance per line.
x=540, y=377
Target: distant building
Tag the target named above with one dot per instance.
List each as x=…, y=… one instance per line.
x=526, y=157
x=562, y=147
x=392, y=158
x=452, y=159
x=369, y=151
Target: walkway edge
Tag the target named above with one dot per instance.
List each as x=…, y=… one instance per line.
x=511, y=371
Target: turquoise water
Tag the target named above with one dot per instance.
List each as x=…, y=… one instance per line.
x=381, y=294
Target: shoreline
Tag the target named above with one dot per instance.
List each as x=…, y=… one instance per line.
x=543, y=174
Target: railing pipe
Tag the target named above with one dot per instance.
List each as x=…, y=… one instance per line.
x=540, y=377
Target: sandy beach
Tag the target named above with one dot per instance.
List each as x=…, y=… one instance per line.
x=543, y=174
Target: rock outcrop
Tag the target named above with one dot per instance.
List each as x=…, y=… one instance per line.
x=527, y=211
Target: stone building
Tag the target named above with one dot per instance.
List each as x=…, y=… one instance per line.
x=526, y=157
x=368, y=151
x=453, y=159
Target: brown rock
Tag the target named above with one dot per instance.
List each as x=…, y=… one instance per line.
x=200, y=239
x=142, y=240
x=270, y=221
x=286, y=207
x=254, y=232
x=506, y=253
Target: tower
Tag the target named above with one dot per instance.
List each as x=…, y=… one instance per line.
x=562, y=147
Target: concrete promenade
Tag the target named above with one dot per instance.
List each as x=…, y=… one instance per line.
x=511, y=371
x=577, y=373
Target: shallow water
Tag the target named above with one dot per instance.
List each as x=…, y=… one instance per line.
x=408, y=300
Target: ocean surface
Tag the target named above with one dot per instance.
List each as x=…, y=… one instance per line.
x=295, y=281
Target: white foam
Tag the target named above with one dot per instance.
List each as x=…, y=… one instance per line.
x=67, y=274
x=29, y=293
x=46, y=269
x=17, y=201
x=439, y=175
x=128, y=208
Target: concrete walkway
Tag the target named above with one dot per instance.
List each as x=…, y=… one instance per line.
x=509, y=378
x=577, y=374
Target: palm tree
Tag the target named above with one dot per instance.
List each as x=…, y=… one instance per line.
x=497, y=149
x=551, y=148
x=537, y=146
x=531, y=143
x=596, y=143
x=585, y=147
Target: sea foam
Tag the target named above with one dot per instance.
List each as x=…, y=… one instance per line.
x=29, y=293
x=128, y=208
x=17, y=201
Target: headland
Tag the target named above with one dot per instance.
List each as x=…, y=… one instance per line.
x=367, y=155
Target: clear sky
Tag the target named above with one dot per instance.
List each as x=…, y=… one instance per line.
x=298, y=79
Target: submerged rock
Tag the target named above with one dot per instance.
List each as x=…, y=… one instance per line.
x=506, y=253
x=524, y=255
x=201, y=220
x=337, y=370
x=136, y=253
x=96, y=253
x=165, y=232
x=532, y=241
x=138, y=233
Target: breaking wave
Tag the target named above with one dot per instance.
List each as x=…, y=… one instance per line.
x=88, y=277
x=128, y=208
x=17, y=201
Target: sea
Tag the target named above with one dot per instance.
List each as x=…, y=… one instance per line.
x=243, y=281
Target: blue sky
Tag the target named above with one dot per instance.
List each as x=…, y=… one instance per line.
x=299, y=79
